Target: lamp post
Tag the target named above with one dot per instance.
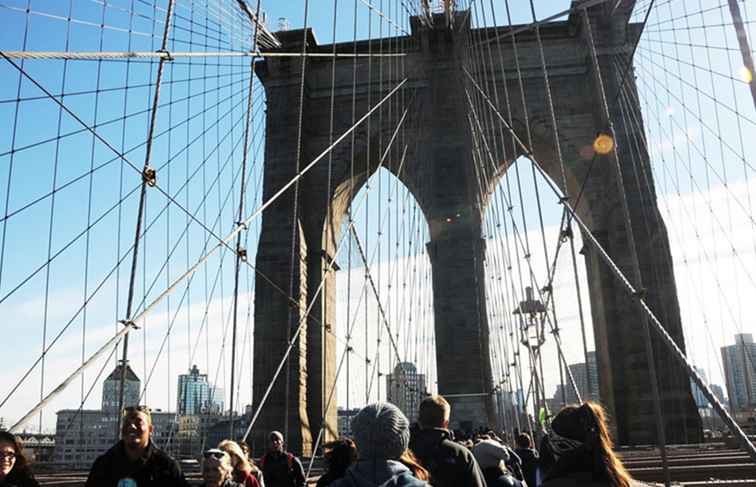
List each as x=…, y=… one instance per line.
x=530, y=313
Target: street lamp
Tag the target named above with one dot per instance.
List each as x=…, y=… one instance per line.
x=531, y=312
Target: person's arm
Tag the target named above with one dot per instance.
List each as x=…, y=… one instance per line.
x=299, y=474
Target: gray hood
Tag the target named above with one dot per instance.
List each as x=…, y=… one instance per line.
x=380, y=473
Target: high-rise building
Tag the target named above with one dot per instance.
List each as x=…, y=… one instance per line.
x=698, y=395
x=580, y=373
x=344, y=418
x=196, y=396
x=719, y=394
x=740, y=372
x=111, y=389
x=406, y=388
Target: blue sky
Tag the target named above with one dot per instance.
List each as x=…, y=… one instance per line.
x=696, y=140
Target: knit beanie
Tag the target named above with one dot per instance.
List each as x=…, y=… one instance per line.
x=380, y=430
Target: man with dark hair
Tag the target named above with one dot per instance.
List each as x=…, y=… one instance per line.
x=135, y=461
x=450, y=464
x=281, y=468
x=529, y=458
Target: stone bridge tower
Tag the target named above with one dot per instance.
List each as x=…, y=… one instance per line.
x=435, y=163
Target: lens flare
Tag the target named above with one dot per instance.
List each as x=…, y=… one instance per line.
x=603, y=144
x=745, y=74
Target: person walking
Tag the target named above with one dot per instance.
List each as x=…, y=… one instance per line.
x=135, y=461
x=281, y=468
x=339, y=456
x=579, y=451
x=449, y=463
x=14, y=467
x=242, y=468
x=492, y=458
x=529, y=458
x=217, y=470
x=381, y=432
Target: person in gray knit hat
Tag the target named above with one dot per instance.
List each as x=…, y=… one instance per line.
x=381, y=432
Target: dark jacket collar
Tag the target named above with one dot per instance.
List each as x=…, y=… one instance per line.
x=120, y=449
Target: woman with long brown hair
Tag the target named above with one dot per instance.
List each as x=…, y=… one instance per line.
x=14, y=468
x=579, y=451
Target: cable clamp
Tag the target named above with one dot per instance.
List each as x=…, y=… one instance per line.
x=128, y=323
x=167, y=53
x=149, y=176
x=641, y=293
x=566, y=234
x=563, y=200
x=242, y=253
x=546, y=289
x=242, y=224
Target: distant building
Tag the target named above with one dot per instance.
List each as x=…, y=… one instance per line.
x=196, y=396
x=83, y=435
x=38, y=447
x=580, y=373
x=111, y=389
x=698, y=395
x=344, y=419
x=719, y=393
x=406, y=388
x=740, y=372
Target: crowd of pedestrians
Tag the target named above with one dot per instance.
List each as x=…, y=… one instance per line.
x=384, y=451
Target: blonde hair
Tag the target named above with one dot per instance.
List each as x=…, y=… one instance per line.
x=235, y=451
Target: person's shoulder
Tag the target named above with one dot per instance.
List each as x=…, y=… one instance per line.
x=457, y=449
x=111, y=455
x=160, y=456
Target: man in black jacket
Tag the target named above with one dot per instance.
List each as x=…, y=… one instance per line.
x=135, y=461
x=450, y=464
x=281, y=468
x=529, y=458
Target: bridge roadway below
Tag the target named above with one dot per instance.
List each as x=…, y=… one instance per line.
x=689, y=467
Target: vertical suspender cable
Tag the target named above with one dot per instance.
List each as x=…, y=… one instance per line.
x=146, y=178
x=241, y=252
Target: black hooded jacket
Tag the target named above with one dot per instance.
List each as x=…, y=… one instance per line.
x=156, y=468
x=450, y=464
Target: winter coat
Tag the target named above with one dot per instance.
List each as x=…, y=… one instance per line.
x=154, y=469
x=20, y=477
x=282, y=470
x=246, y=479
x=450, y=464
x=378, y=473
x=496, y=477
x=529, y=459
